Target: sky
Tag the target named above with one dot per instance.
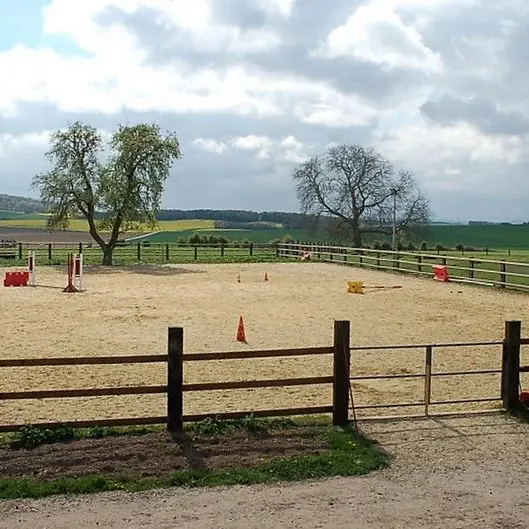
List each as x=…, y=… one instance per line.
x=255, y=87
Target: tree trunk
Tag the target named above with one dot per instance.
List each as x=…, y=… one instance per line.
x=108, y=252
x=357, y=236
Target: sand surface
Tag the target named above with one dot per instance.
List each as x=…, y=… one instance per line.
x=128, y=311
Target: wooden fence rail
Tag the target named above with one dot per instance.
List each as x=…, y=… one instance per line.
x=487, y=272
x=176, y=388
x=141, y=251
x=341, y=379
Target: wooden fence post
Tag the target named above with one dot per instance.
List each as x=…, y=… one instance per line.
x=196, y=253
x=510, y=372
x=80, y=248
x=138, y=251
x=341, y=363
x=167, y=256
x=49, y=251
x=471, y=266
x=20, y=251
x=503, y=275
x=222, y=249
x=175, y=379
x=251, y=248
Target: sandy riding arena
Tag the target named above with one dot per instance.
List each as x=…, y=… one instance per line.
x=128, y=310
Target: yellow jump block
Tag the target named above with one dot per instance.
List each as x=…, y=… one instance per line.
x=355, y=287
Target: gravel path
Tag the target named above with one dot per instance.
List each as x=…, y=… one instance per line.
x=447, y=473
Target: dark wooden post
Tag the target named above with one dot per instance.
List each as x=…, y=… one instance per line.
x=20, y=251
x=251, y=248
x=419, y=263
x=342, y=357
x=138, y=251
x=175, y=379
x=503, y=275
x=80, y=248
x=510, y=373
x=196, y=253
x=222, y=249
x=471, y=271
x=49, y=251
x=167, y=257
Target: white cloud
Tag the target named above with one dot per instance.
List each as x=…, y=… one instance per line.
x=281, y=7
x=114, y=76
x=11, y=145
x=375, y=33
x=288, y=148
x=437, y=155
x=210, y=145
x=272, y=84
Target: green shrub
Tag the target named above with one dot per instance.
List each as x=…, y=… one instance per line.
x=30, y=437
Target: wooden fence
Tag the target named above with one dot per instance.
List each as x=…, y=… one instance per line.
x=175, y=388
x=487, y=272
x=140, y=252
x=341, y=379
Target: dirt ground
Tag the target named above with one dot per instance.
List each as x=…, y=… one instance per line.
x=157, y=454
x=459, y=473
x=42, y=236
x=128, y=311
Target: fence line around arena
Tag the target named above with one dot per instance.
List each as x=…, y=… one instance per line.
x=342, y=380
x=162, y=252
x=509, y=274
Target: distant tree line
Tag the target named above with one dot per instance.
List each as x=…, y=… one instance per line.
x=20, y=204
x=225, y=217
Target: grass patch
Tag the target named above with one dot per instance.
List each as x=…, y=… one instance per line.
x=347, y=454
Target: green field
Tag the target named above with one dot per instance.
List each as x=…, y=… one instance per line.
x=492, y=236
x=12, y=217
x=497, y=236
x=39, y=222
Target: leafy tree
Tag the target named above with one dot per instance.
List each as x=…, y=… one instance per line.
x=115, y=196
x=356, y=191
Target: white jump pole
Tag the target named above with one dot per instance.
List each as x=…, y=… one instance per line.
x=32, y=268
x=78, y=271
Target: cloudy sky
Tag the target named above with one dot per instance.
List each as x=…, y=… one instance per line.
x=253, y=87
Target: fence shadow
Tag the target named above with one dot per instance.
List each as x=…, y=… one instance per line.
x=401, y=432
x=145, y=269
x=194, y=457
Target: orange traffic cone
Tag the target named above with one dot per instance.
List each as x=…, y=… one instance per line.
x=241, y=335
x=266, y=277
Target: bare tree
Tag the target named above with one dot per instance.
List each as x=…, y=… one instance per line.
x=358, y=191
x=118, y=195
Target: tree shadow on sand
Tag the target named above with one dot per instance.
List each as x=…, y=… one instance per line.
x=146, y=269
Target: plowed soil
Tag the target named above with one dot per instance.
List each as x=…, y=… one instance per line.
x=154, y=455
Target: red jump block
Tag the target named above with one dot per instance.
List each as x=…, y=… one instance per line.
x=16, y=279
x=440, y=273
